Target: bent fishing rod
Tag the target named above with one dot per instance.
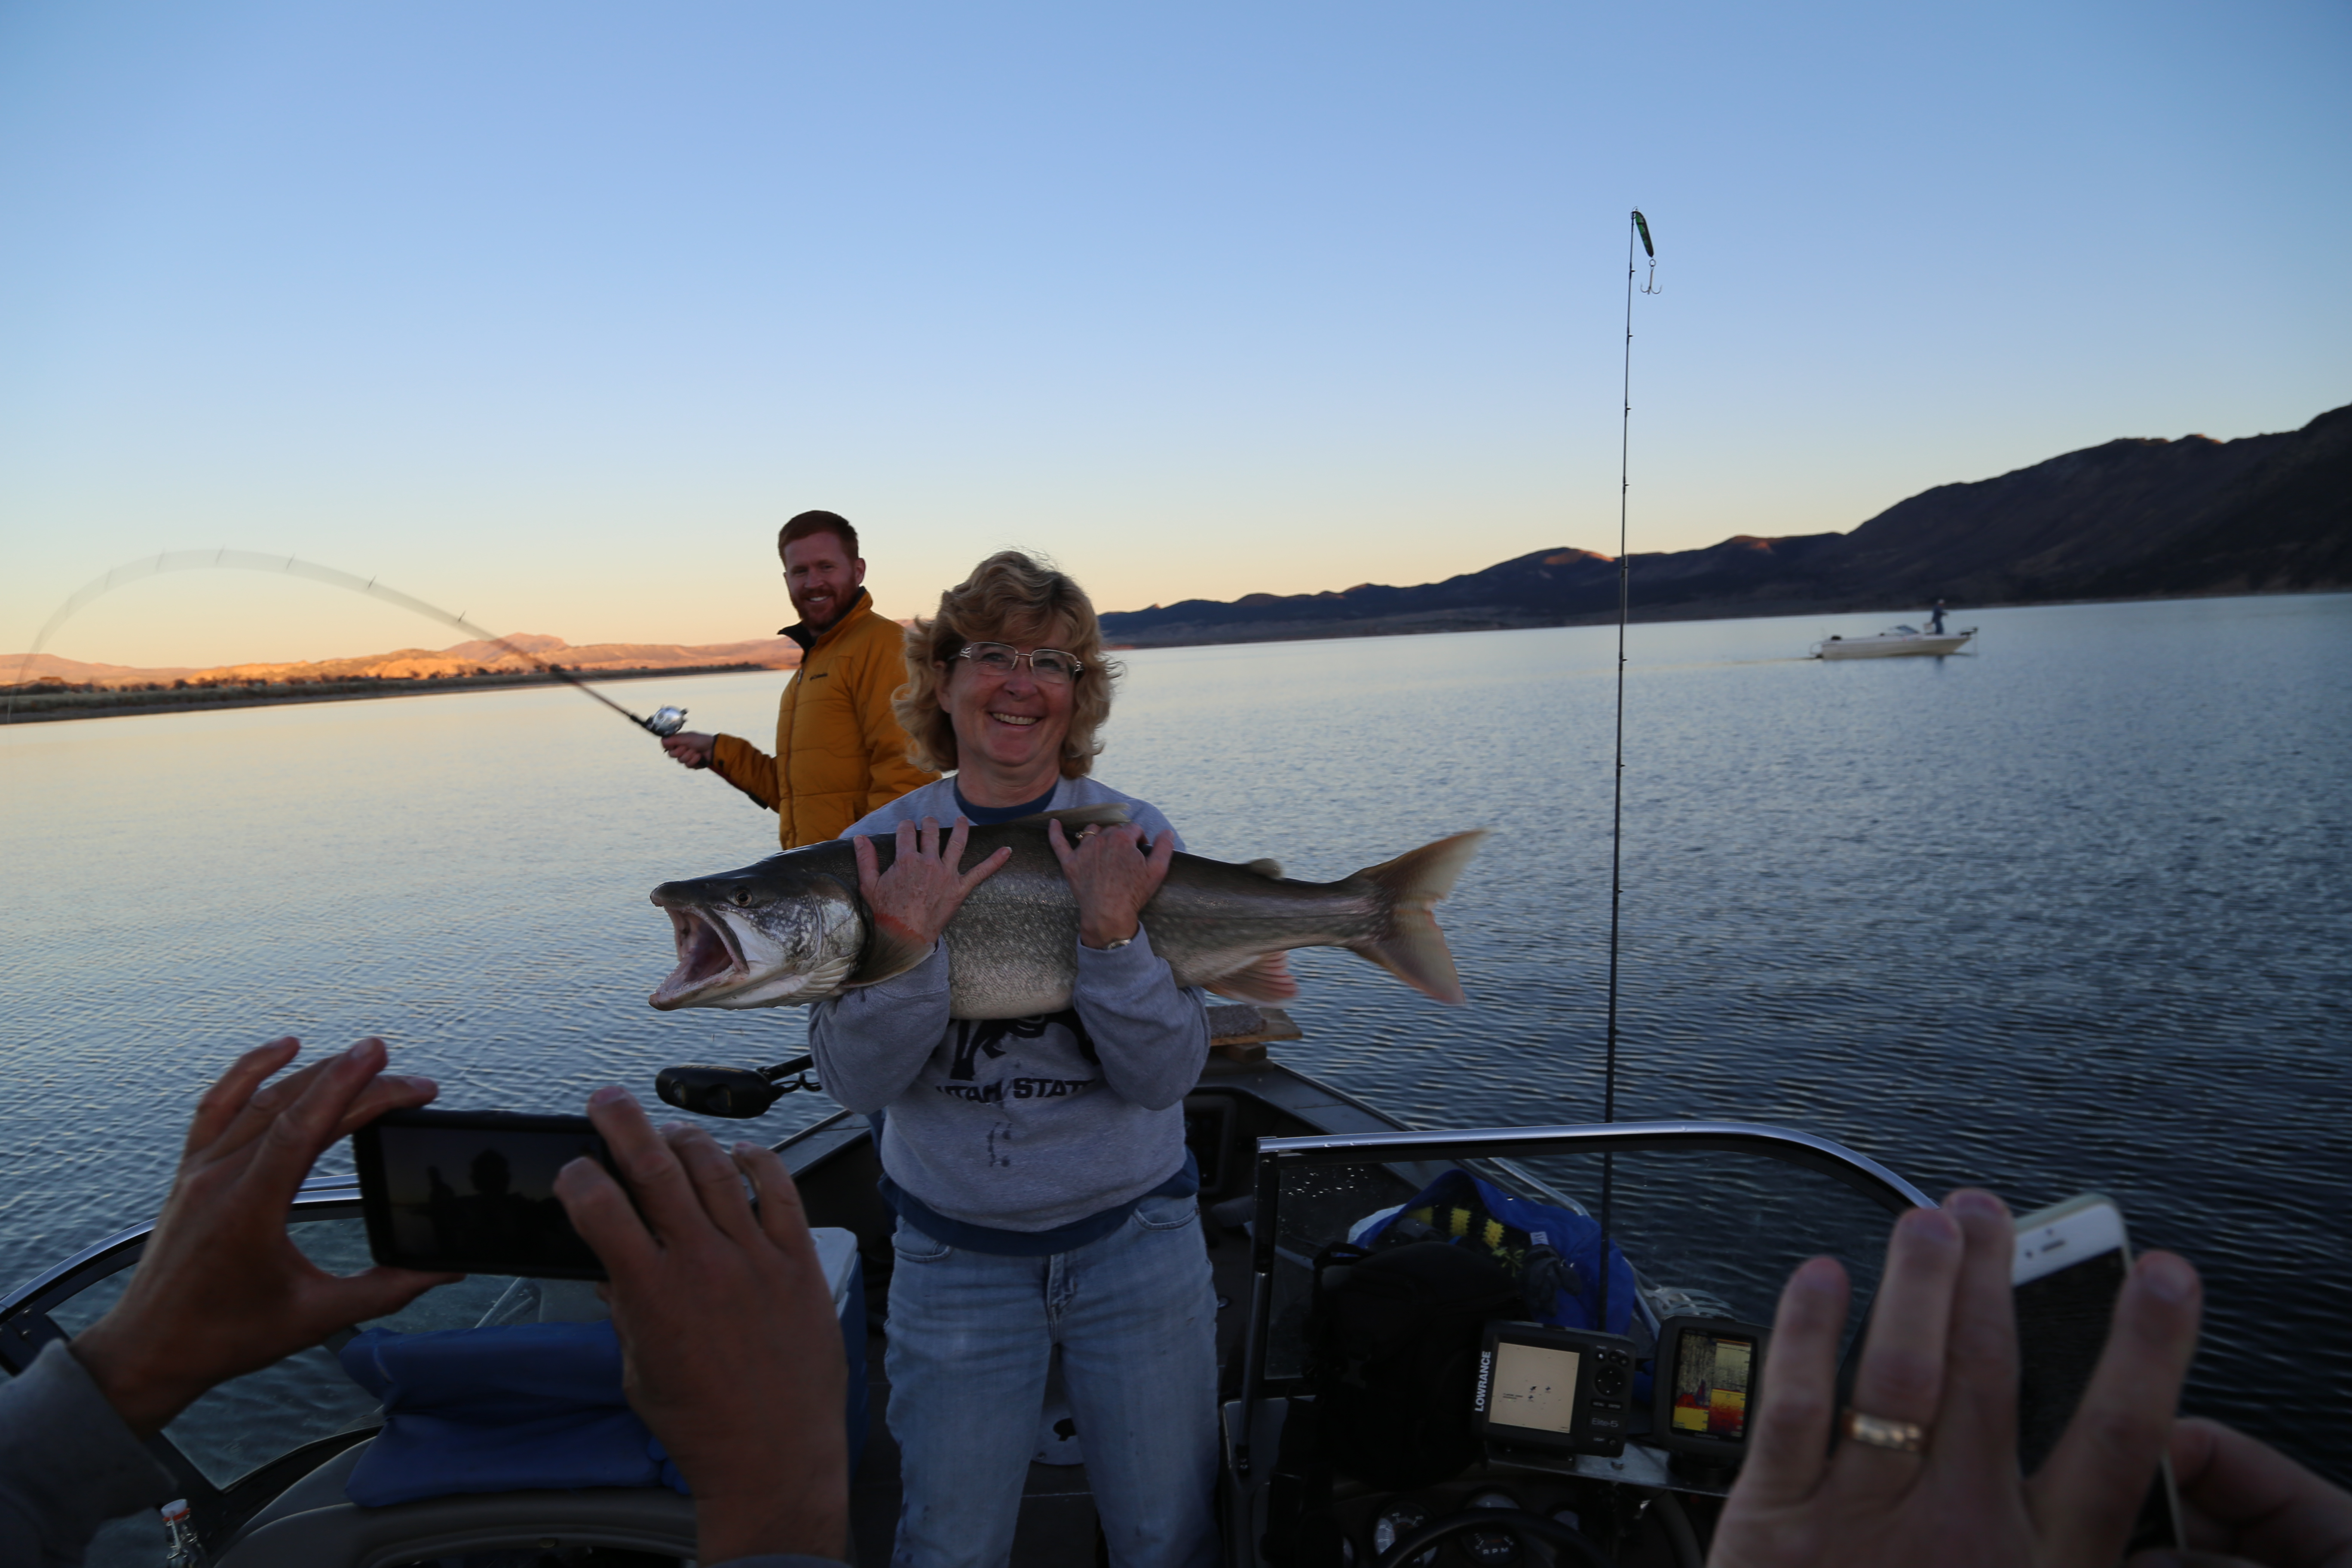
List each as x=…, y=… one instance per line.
x=1638, y=228
x=665, y=721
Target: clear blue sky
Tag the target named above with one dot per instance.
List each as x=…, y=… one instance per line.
x=553, y=313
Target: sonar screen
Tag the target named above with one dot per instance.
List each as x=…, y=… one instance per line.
x=1706, y=1386
x=1535, y=1387
x=1565, y=1389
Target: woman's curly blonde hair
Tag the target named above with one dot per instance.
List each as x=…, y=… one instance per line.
x=1009, y=598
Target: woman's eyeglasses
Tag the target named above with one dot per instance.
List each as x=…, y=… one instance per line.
x=1049, y=665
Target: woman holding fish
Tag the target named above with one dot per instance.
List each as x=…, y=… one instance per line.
x=1037, y=1164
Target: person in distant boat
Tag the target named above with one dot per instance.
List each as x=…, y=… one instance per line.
x=1936, y=620
x=840, y=751
x=1045, y=1201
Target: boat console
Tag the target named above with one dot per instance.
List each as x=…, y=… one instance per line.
x=1575, y=1465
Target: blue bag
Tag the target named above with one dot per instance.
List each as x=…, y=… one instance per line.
x=1459, y=1208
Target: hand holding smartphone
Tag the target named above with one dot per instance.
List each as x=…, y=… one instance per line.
x=1935, y=1475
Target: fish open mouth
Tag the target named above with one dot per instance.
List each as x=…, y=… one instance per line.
x=708, y=959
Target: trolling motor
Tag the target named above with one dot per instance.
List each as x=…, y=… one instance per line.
x=736, y=1093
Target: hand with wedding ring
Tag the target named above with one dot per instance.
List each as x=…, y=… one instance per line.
x=1926, y=1470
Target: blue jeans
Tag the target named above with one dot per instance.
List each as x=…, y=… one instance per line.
x=972, y=1336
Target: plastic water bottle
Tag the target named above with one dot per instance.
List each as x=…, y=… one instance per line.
x=187, y=1551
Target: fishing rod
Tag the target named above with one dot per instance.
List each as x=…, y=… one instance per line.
x=1638, y=229
x=665, y=721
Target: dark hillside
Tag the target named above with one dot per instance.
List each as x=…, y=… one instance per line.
x=2192, y=516
x=2132, y=518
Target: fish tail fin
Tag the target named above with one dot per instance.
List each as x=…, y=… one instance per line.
x=1265, y=980
x=1412, y=948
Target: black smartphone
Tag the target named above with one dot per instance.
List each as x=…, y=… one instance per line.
x=473, y=1191
x=2070, y=1265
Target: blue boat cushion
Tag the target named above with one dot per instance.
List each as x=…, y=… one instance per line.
x=514, y=1407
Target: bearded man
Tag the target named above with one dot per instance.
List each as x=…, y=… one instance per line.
x=840, y=753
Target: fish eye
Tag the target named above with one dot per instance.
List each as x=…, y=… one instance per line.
x=741, y=897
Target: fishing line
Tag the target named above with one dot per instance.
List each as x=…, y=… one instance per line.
x=665, y=721
x=1638, y=229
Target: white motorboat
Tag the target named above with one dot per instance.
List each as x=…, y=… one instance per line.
x=1894, y=642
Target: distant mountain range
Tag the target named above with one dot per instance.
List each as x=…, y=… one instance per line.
x=2130, y=519
x=419, y=664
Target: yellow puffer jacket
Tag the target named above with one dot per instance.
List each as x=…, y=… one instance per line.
x=840, y=753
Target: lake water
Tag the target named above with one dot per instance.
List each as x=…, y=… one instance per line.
x=2070, y=912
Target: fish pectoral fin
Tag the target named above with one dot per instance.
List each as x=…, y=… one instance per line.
x=887, y=956
x=1265, y=980
x=1265, y=868
x=1112, y=815
x=1412, y=948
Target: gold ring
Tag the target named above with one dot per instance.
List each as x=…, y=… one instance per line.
x=1878, y=1432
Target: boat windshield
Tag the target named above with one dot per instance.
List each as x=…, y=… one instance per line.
x=1713, y=1233
x=1722, y=1230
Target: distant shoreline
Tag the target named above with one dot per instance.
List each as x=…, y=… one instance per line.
x=36, y=705
x=48, y=705
x=1437, y=621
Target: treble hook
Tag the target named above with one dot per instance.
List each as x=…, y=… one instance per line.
x=1652, y=286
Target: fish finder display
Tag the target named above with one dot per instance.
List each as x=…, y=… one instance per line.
x=474, y=1192
x=1553, y=1389
x=1708, y=1377
x=1711, y=1385
x=1535, y=1387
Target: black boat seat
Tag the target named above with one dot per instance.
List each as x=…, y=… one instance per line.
x=312, y=1525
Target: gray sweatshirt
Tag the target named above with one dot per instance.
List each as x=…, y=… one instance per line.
x=68, y=1464
x=1021, y=1124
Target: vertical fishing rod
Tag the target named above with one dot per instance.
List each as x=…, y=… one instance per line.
x=1638, y=228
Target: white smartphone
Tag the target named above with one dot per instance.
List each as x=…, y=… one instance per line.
x=2070, y=1265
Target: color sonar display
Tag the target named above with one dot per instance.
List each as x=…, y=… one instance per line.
x=1711, y=1386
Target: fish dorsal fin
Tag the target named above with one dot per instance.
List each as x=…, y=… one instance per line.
x=1112, y=815
x=1266, y=868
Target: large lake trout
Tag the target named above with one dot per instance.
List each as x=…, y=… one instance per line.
x=794, y=930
